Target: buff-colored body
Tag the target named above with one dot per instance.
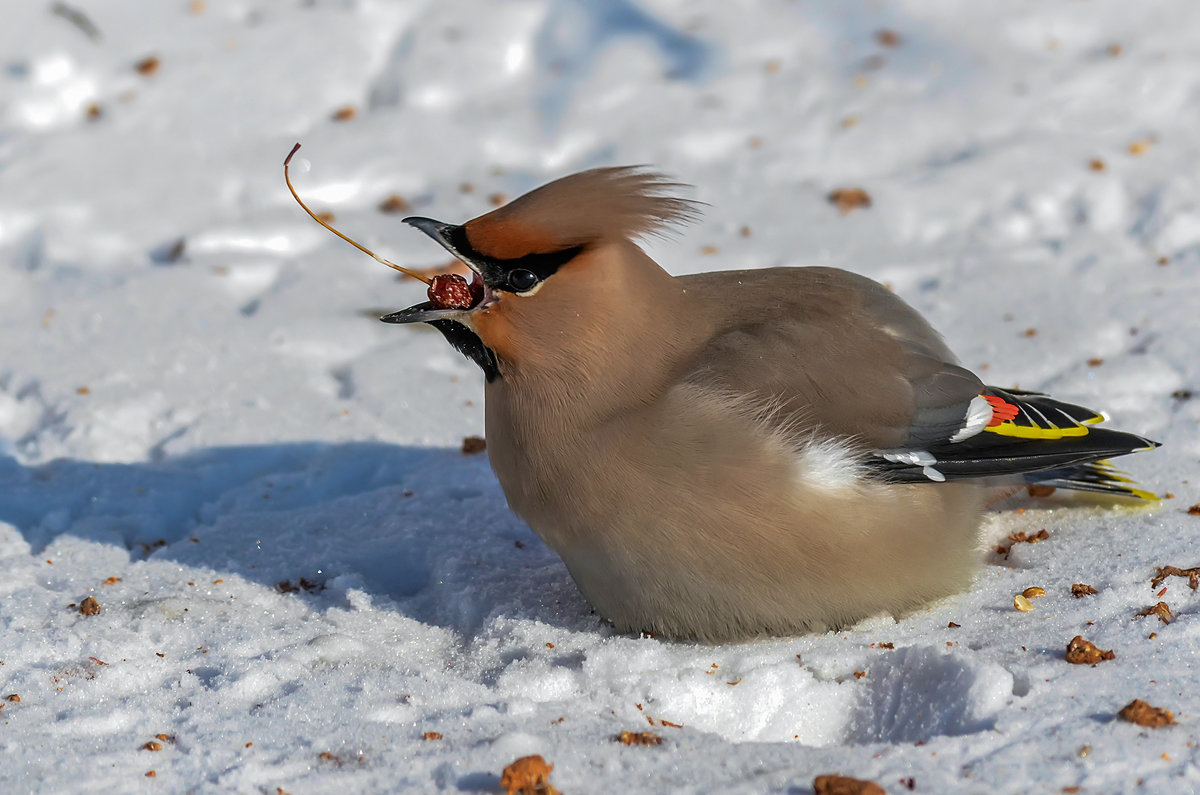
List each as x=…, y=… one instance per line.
x=689, y=498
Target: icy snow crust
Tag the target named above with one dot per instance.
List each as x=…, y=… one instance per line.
x=205, y=421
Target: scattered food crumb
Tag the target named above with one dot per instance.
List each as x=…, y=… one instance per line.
x=844, y=785
x=1161, y=609
x=83, y=390
x=305, y=584
x=1163, y=260
x=1080, y=590
x=497, y=199
x=431, y=736
x=888, y=38
x=1029, y=332
x=1141, y=147
x=394, y=204
x=1033, y=592
x=952, y=625
x=147, y=66
x=847, y=200
x=1194, y=510
x=744, y=231
x=1022, y=603
x=111, y=581
x=1021, y=538
x=150, y=774
x=1084, y=652
x=345, y=113
x=1193, y=575
x=529, y=775
x=473, y=444
x=709, y=249
x=13, y=697
x=639, y=738
x=859, y=674
x=1035, y=490
x=1096, y=164
x=152, y=746
x=1095, y=361
x=1114, y=49
x=1141, y=713
x=89, y=606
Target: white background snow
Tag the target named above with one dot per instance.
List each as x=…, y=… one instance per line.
x=195, y=397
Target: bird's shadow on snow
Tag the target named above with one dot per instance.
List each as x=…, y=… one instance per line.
x=421, y=530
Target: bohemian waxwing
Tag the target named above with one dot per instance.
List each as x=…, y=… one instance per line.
x=728, y=454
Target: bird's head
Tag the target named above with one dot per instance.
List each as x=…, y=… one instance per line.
x=545, y=256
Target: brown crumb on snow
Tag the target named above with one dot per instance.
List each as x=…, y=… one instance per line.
x=1143, y=714
x=148, y=65
x=1161, y=609
x=844, y=785
x=1021, y=538
x=1193, y=575
x=1194, y=510
x=303, y=584
x=888, y=38
x=345, y=113
x=89, y=606
x=847, y=200
x=473, y=444
x=529, y=775
x=431, y=736
x=1141, y=147
x=639, y=738
x=1080, y=590
x=394, y=204
x=1084, y=652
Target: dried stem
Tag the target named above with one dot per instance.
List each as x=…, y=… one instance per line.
x=286, y=162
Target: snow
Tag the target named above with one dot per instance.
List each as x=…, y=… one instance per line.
x=204, y=420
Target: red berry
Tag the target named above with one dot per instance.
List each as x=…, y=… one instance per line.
x=450, y=291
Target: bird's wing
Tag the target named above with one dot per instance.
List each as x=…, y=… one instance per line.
x=843, y=356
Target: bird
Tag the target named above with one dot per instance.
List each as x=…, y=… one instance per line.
x=733, y=454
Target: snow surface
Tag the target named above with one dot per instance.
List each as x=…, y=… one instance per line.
x=206, y=422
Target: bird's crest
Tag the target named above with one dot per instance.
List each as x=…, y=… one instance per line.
x=620, y=203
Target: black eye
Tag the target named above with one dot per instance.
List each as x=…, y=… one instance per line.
x=522, y=280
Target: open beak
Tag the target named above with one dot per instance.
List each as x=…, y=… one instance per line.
x=445, y=235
